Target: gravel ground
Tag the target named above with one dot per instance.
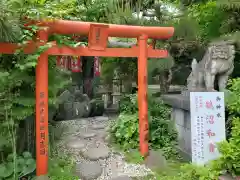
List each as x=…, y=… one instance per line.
x=81, y=136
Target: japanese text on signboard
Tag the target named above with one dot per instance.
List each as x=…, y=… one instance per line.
x=207, y=125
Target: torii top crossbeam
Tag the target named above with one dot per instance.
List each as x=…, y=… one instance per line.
x=97, y=46
x=83, y=28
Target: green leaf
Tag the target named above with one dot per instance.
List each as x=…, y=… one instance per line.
x=10, y=157
x=3, y=169
x=20, y=164
x=20, y=161
x=6, y=170
x=30, y=162
x=28, y=169
x=27, y=155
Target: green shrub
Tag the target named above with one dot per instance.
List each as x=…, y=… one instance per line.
x=192, y=172
x=128, y=104
x=162, y=131
x=16, y=167
x=124, y=131
x=230, y=159
x=230, y=155
x=233, y=97
x=61, y=168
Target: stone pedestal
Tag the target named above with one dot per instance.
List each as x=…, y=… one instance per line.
x=181, y=116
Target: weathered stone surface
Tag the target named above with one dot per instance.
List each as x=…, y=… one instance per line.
x=64, y=97
x=76, y=144
x=101, y=118
x=78, y=109
x=217, y=61
x=84, y=121
x=122, y=178
x=87, y=135
x=102, y=134
x=65, y=111
x=98, y=126
x=96, y=153
x=155, y=160
x=177, y=101
x=68, y=106
x=88, y=170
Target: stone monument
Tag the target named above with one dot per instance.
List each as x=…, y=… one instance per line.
x=216, y=65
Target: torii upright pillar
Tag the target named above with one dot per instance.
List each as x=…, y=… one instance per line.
x=142, y=94
x=42, y=109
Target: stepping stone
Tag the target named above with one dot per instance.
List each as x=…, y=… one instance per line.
x=98, y=126
x=83, y=122
x=88, y=170
x=101, y=118
x=122, y=178
x=102, y=135
x=96, y=153
x=87, y=135
x=76, y=144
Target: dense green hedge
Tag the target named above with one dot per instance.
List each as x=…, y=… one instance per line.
x=124, y=131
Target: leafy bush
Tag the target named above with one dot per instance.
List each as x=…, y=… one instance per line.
x=16, y=167
x=230, y=159
x=124, y=130
x=233, y=98
x=229, y=162
x=61, y=169
x=128, y=104
x=193, y=172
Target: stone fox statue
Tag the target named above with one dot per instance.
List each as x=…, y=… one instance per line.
x=217, y=61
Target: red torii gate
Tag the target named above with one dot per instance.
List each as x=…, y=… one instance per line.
x=97, y=37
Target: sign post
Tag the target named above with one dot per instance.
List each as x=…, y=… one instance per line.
x=207, y=125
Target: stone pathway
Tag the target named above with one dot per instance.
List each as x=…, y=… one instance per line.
x=86, y=140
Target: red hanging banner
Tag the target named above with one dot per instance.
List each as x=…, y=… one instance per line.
x=96, y=66
x=76, y=64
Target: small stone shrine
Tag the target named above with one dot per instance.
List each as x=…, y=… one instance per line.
x=215, y=68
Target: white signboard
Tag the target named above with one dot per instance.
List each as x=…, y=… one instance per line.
x=207, y=125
